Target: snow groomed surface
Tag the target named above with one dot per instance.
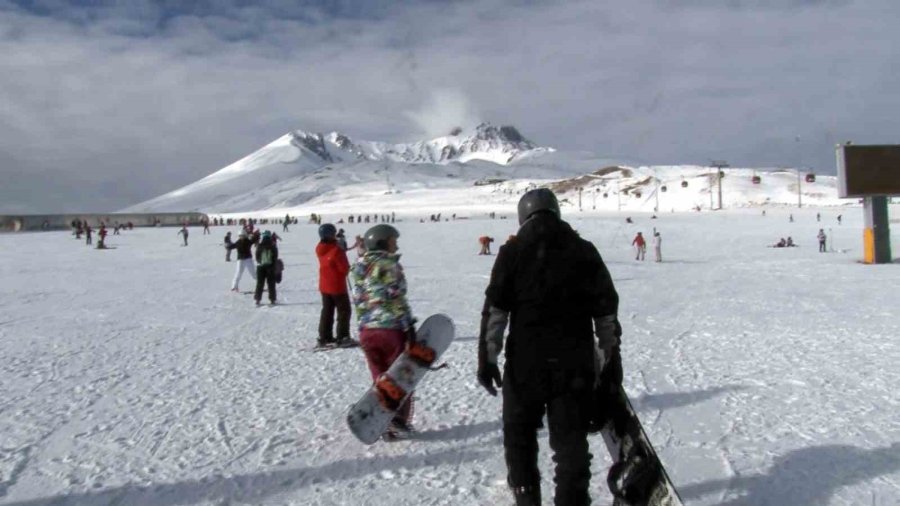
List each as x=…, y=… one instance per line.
x=133, y=376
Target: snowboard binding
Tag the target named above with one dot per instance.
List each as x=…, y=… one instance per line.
x=421, y=354
x=390, y=394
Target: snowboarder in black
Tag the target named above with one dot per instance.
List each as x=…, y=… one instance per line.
x=228, y=248
x=556, y=293
x=266, y=255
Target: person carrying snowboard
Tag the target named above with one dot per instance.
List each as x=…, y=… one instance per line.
x=640, y=246
x=333, y=269
x=553, y=289
x=266, y=256
x=244, y=259
x=386, y=323
x=184, y=232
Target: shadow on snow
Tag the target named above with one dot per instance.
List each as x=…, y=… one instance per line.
x=252, y=488
x=805, y=477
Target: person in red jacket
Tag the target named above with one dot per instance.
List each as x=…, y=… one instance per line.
x=333, y=269
x=640, y=246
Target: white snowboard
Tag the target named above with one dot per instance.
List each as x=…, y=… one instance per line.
x=370, y=416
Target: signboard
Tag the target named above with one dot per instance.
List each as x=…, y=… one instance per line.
x=868, y=171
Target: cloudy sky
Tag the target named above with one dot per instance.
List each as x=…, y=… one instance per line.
x=107, y=103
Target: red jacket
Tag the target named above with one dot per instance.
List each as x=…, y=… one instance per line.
x=333, y=268
x=639, y=241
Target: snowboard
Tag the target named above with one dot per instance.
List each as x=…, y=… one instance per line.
x=369, y=417
x=637, y=476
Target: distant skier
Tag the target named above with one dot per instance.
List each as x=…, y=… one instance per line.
x=287, y=220
x=184, y=232
x=791, y=218
x=822, y=238
x=657, y=246
x=341, y=240
x=385, y=318
x=839, y=219
x=87, y=234
x=485, y=242
x=101, y=244
x=266, y=257
x=228, y=247
x=205, y=227
x=333, y=269
x=555, y=292
x=244, y=259
x=640, y=246
x=818, y=217
x=359, y=244
x=790, y=242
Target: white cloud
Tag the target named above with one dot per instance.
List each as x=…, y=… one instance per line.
x=149, y=100
x=443, y=111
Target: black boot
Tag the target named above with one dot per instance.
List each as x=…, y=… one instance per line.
x=527, y=496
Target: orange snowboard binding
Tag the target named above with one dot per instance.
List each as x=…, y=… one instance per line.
x=390, y=394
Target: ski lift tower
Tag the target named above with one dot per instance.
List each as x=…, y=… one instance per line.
x=719, y=165
x=873, y=174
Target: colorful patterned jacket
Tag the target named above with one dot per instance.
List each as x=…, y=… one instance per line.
x=379, y=292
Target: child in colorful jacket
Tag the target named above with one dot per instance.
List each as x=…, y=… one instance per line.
x=385, y=318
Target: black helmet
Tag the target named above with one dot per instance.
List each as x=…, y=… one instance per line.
x=327, y=231
x=376, y=238
x=540, y=199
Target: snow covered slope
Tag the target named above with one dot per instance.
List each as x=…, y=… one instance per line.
x=133, y=376
x=485, y=168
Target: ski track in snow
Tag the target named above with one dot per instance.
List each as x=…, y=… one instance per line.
x=134, y=377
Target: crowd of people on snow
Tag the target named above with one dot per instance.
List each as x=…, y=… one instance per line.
x=82, y=227
x=562, y=349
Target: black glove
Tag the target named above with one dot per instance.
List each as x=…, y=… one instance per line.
x=488, y=373
x=488, y=376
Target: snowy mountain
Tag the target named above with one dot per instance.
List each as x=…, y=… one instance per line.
x=300, y=165
x=483, y=169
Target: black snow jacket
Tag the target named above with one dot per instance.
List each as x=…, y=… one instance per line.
x=244, y=248
x=553, y=283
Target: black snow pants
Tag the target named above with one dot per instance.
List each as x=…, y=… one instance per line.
x=566, y=397
x=265, y=276
x=330, y=302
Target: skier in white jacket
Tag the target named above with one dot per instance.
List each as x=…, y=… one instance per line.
x=657, y=246
x=244, y=260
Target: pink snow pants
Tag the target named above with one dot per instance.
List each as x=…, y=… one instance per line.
x=382, y=347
